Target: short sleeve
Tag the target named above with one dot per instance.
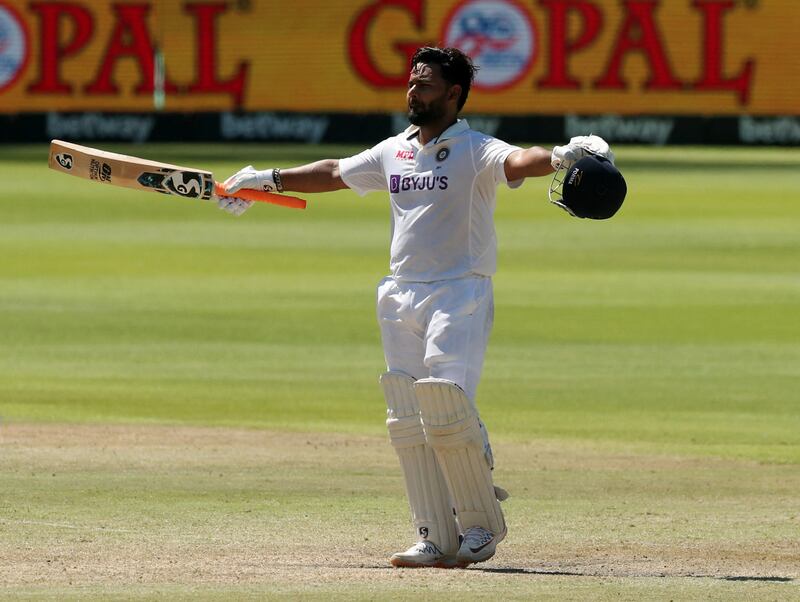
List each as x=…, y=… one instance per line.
x=363, y=172
x=491, y=155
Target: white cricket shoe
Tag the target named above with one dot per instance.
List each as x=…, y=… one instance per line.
x=477, y=545
x=423, y=554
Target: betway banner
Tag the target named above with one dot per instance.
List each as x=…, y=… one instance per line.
x=547, y=57
x=365, y=129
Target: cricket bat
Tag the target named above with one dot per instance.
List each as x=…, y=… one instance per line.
x=141, y=174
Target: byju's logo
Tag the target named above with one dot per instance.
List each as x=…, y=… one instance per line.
x=398, y=183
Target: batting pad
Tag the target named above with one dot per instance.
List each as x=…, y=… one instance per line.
x=453, y=430
x=431, y=511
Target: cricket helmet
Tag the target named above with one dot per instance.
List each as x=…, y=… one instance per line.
x=591, y=187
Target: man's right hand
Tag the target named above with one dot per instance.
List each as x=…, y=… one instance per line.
x=250, y=177
x=247, y=177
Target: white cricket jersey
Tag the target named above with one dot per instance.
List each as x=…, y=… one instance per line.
x=442, y=197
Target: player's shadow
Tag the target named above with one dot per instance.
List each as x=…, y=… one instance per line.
x=539, y=572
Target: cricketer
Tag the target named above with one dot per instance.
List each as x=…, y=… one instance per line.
x=435, y=308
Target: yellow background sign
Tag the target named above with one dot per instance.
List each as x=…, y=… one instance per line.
x=699, y=57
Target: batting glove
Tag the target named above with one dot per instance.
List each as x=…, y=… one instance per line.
x=579, y=147
x=250, y=177
x=233, y=205
x=247, y=177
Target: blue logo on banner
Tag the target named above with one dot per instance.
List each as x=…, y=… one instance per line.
x=13, y=47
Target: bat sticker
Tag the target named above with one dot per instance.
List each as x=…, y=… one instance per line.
x=99, y=171
x=64, y=160
x=189, y=184
x=185, y=183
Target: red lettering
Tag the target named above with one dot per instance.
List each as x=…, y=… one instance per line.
x=358, y=44
x=52, y=52
x=558, y=75
x=206, y=80
x=130, y=38
x=712, y=77
x=639, y=33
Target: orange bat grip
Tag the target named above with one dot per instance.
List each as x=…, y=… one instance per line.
x=262, y=197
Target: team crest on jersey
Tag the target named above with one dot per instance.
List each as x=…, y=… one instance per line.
x=442, y=154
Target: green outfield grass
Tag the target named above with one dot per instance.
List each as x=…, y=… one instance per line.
x=674, y=326
x=672, y=330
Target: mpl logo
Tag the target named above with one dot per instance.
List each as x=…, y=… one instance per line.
x=14, y=46
x=500, y=37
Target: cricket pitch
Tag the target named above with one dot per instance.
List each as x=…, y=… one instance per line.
x=98, y=510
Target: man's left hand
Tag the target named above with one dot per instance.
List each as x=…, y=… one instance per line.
x=233, y=204
x=579, y=147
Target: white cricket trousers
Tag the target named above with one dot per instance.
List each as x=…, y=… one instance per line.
x=437, y=329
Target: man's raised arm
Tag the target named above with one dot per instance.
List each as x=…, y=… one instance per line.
x=320, y=176
x=537, y=161
x=528, y=163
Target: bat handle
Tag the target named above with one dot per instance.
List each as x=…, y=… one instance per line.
x=262, y=197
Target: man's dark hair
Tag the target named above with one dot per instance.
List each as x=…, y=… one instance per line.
x=456, y=67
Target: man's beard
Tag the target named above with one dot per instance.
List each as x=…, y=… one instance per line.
x=424, y=115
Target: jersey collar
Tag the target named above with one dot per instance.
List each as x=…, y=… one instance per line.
x=454, y=130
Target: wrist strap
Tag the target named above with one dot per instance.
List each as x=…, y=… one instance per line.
x=276, y=177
